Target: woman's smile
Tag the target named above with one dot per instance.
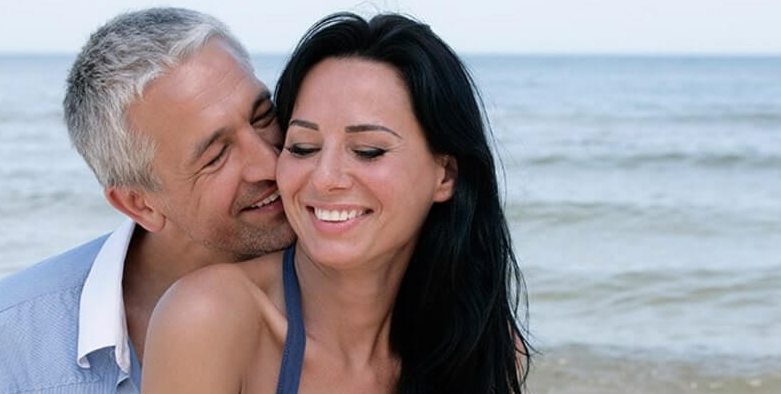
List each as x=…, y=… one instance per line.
x=337, y=220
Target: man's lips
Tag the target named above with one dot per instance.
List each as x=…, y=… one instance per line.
x=270, y=199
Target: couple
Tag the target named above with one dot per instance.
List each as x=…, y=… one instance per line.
x=402, y=278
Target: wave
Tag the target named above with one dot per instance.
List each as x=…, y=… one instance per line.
x=654, y=113
x=706, y=160
x=631, y=290
x=718, y=115
x=693, y=315
x=669, y=220
x=32, y=116
x=42, y=193
x=583, y=369
x=714, y=116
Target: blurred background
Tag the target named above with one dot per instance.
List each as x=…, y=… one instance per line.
x=641, y=145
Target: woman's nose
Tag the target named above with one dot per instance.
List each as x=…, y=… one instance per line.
x=330, y=173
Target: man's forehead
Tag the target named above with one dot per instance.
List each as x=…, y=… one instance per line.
x=211, y=70
x=198, y=96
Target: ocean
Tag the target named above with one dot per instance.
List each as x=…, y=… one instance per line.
x=643, y=193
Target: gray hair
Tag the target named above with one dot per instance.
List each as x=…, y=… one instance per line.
x=111, y=71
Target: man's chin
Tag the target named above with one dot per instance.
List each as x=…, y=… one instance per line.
x=259, y=243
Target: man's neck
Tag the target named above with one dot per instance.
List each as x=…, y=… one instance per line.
x=153, y=263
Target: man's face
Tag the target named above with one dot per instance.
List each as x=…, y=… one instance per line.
x=217, y=142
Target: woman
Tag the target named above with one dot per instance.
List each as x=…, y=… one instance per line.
x=403, y=276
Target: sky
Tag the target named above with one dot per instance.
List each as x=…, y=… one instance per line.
x=483, y=26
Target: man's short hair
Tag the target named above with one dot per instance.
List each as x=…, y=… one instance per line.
x=112, y=70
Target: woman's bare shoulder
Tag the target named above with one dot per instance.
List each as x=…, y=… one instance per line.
x=210, y=324
x=214, y=303
x=234, y=295
x=207, y=291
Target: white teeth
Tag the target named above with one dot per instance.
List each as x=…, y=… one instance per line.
x=337, y=216
x=268, y=200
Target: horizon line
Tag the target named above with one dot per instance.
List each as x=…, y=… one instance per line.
x=490, y=53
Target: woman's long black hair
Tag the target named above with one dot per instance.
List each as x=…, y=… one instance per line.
x=455, y=320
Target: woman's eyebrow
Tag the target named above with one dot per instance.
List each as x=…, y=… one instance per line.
x=359, y=128
x=304, y=124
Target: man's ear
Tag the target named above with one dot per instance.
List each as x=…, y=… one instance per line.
x=137, y=205
x=447, y=184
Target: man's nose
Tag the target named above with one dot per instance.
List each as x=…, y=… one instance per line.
x=260, y=156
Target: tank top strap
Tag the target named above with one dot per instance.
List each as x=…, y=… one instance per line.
x=295, y=341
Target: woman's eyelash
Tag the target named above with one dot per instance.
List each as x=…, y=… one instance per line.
x=300, y=151
x=364, y=153
x=370, y=153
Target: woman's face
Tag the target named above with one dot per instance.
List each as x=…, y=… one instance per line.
x=356, y=176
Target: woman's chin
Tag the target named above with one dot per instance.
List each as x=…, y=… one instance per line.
x=333, y=255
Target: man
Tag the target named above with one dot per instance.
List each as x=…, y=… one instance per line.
x=164, y=107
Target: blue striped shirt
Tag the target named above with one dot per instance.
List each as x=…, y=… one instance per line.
x=39, y=330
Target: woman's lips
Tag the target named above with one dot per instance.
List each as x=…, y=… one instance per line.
x=332, y=220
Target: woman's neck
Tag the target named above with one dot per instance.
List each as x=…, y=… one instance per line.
x=348, y=311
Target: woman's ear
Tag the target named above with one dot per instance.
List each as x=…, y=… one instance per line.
x=447, y=184
x=137, y=205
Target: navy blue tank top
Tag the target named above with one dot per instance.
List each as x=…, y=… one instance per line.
x=295, y=341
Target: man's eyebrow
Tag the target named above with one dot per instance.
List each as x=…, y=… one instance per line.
x=304, y=124
x=359, y=128
x=205, y=144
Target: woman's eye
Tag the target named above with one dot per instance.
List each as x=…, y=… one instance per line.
x=369, y=153
x=301, y=151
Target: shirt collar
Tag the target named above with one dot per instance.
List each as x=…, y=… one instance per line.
x=102, y=320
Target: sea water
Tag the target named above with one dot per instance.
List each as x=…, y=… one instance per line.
x=643, y=193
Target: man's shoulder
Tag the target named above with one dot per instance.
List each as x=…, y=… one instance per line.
x=39, y=312
x=55, y=274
